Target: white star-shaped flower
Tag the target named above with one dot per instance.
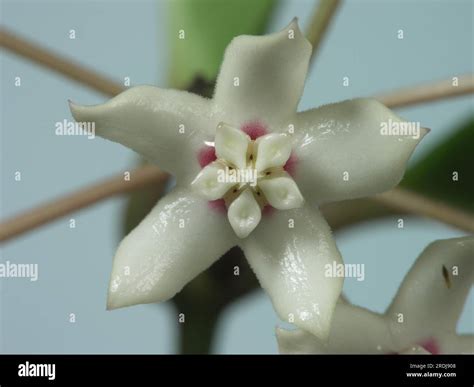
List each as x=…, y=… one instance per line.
x=331, y=153
x=422, y=318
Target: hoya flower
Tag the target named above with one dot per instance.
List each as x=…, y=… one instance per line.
x=296, y=161
x=422, y=318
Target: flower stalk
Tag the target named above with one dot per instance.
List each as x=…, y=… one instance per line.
x=43, y=214
x=320, y=21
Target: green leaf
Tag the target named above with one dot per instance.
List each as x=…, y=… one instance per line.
x=435, y=174
x=200, y=30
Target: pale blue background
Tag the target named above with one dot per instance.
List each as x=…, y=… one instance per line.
x=128, y=39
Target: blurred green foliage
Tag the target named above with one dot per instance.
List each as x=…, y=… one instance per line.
x=433, y=175
x=200, y=30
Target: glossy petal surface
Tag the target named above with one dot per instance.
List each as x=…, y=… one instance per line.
x=289, y=251
x=207, y=182
x=342, y=153
x=422, y=317
x=171, y=246
x=244, y=214
x=231, y=145
x=273, y=150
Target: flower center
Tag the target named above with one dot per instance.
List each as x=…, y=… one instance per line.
x=249, y=174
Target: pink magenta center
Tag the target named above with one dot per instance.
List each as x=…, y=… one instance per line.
x=206, y=156
x=431, y=346
x=290, y=166
x=254, y=129
x=218, y=205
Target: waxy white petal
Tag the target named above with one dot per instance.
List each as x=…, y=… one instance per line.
x=172, y=245
x=209, y=184
x=282, y=192
x=422, y=316
x=432, y=295
x=452, y=343
x=354, y=330
x=244, y=214
x=231, y=145
x=343, y=153
x=273, y=150
x=157, y=123
x=262, y=77
x=289, y=252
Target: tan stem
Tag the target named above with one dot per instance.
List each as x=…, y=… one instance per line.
x=320, y=21
x=339, y=215
x=428, y=92
x=413, y=203
x=401, y=200
x=52, y=61
x=139, y=178
x=396, y=202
